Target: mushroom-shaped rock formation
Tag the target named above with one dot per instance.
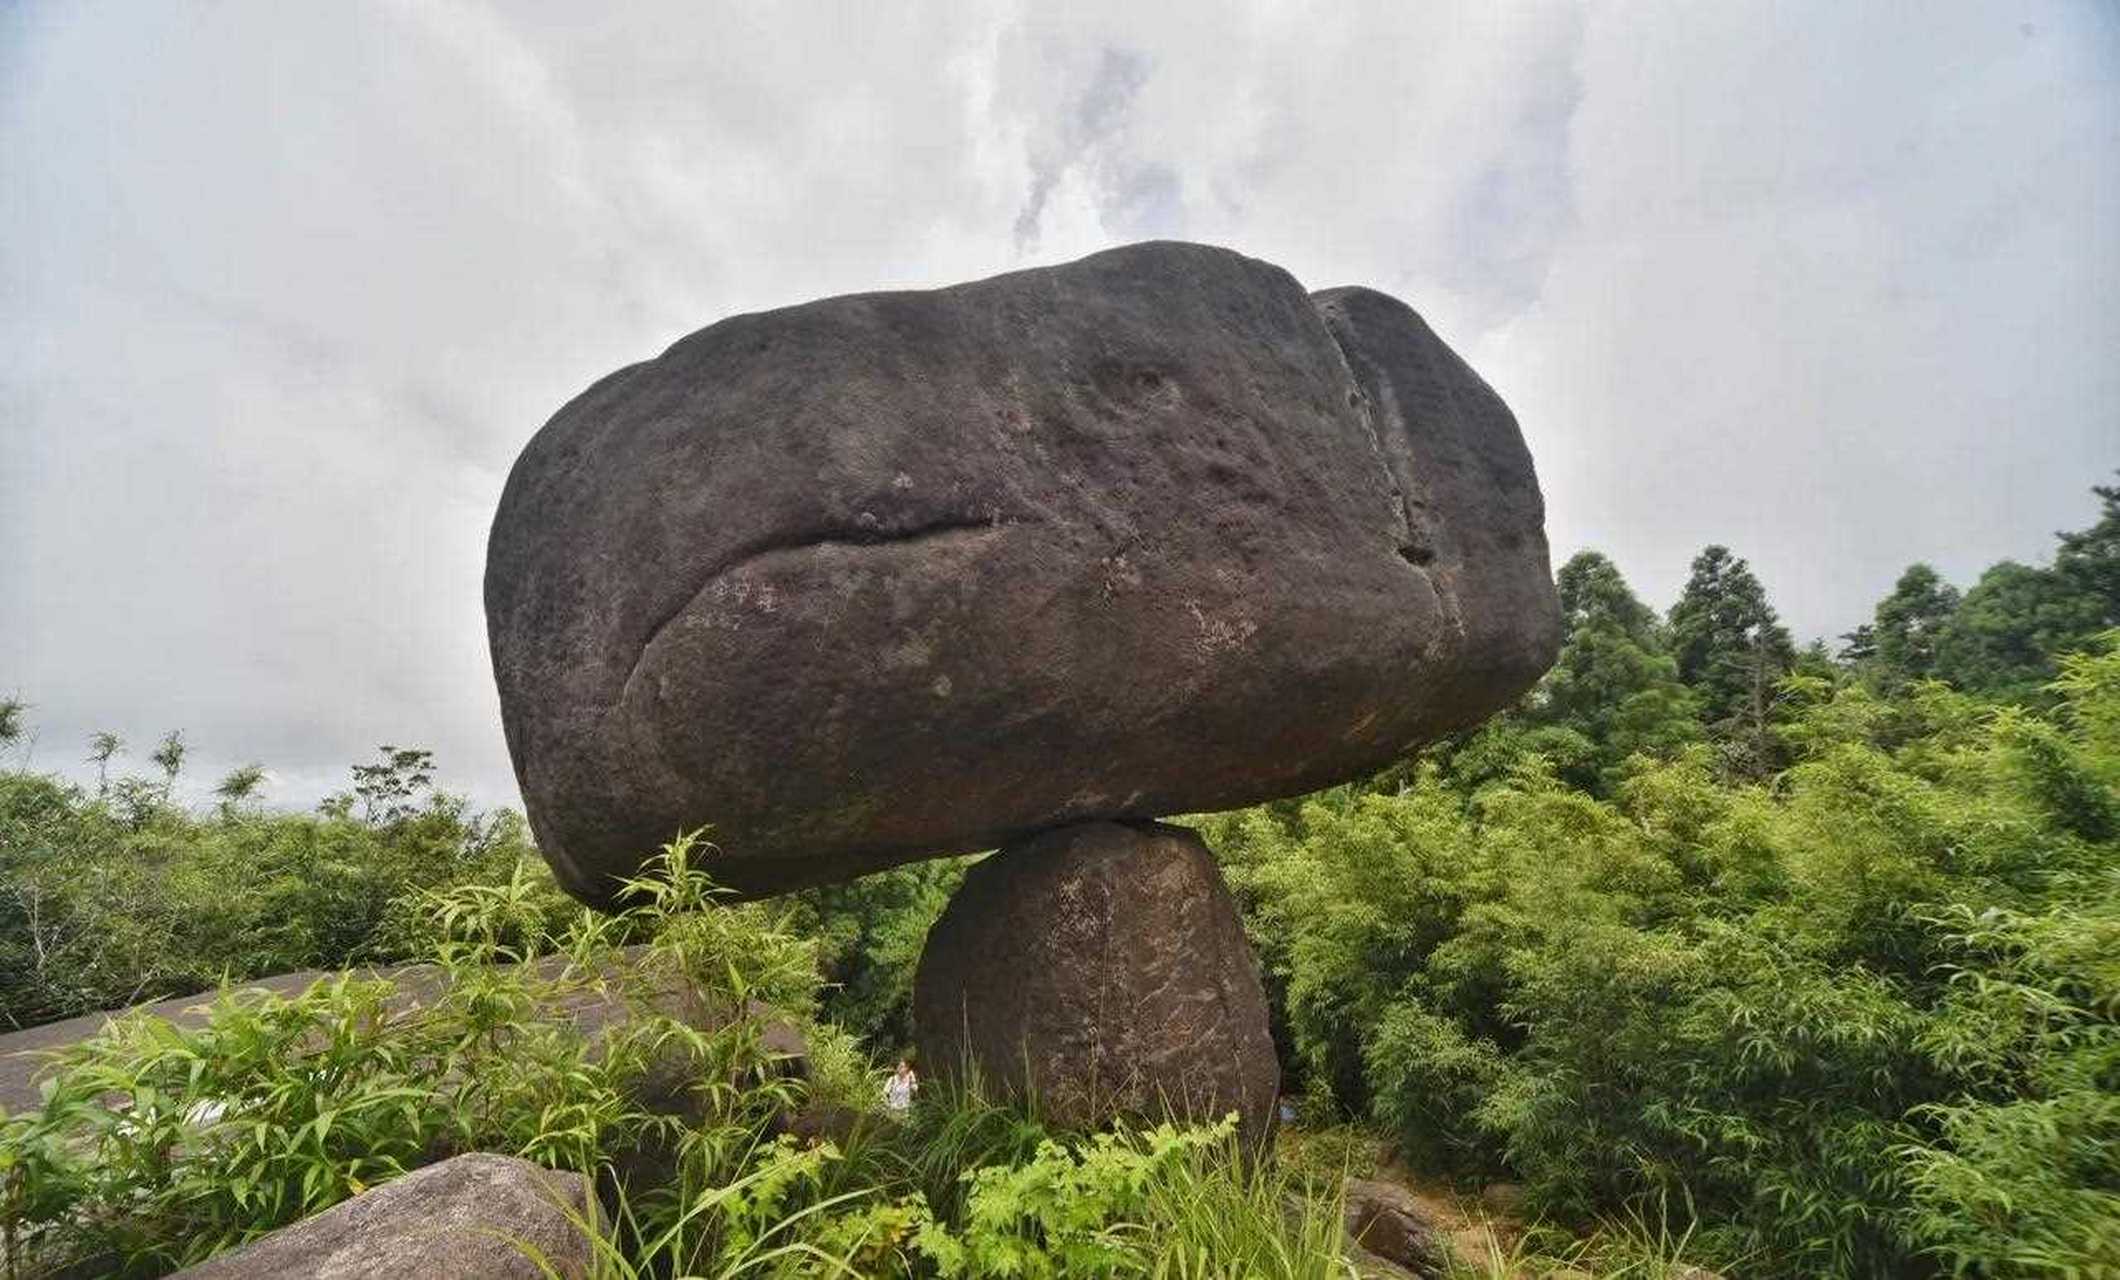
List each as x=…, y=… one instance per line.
x=1100, y=969
x=895, y=575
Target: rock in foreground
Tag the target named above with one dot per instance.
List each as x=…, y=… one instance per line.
x=895, y=575
x=1385, y=1221
x=476, y=1217
x=1101, y=967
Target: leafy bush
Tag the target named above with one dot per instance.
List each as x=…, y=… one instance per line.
x=160, y=1145
x=115, y=896
x=1861, y=1018
x=869, y=933
x=1162, y=1202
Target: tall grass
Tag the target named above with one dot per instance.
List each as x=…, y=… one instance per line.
x=160, y=1145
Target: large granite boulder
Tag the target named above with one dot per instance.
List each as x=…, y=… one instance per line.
x=1101, y=969
x=895, y=575
x=476, y=1217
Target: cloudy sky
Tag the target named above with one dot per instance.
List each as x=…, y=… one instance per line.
x=284, y=288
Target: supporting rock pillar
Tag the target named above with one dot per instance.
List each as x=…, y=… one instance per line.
x=1102, y=968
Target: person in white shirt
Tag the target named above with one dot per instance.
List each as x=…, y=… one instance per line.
x=898, y=1091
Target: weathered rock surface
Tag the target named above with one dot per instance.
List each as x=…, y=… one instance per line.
x=470, y=1218
x=894, y=575
x=1386, y=1220
x=1103, y=967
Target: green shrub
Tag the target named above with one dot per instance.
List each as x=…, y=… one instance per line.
x=160, y=1145
x=1858, y=1019
x=165, y=1144
x=117, y=896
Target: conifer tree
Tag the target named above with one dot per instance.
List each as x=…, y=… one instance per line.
x=1614, y=682
x=1731, y=649
x=1859, y=647
x=1909, y=623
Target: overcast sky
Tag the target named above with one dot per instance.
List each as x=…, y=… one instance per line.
x=285, y=287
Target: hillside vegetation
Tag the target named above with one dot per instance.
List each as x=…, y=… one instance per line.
x=1810, y=957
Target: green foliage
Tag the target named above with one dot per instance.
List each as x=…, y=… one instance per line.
x=1731, y=649
x=1161, y=1202
x=2090, y=558
x=241, y=783
x=169, y=757
x=115, y=896
x=870, y=932
x=1614, y=686
x=103, y=747
x=1858, y=1018
x=1910, y=622
x=388, y=788
x=162, y=1145
x=2027, y=1180
x=1153, y=1203
x=2004, y=637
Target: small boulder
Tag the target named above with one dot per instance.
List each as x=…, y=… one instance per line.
x=476, y=1217
x=1101, y=969
x=1386, y=1220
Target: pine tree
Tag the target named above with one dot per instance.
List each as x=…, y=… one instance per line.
x=1860, y=646
x=2005, y=634
x=1731, y=649
x=1593, y=592
x=1910, y=621
x=1614, y=684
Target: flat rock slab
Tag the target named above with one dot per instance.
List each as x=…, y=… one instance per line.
x=25, y=1056
x=896, y=575
x=476, y=1217
x=1101, y=969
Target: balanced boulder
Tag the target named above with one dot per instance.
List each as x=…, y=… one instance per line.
x=895, y=575
x=1099, y=970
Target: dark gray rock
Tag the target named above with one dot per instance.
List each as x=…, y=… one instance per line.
x=470, y=1218
x=1474, y=518
x=1103, y=968
x=1385, y=1220
x=895, y=575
